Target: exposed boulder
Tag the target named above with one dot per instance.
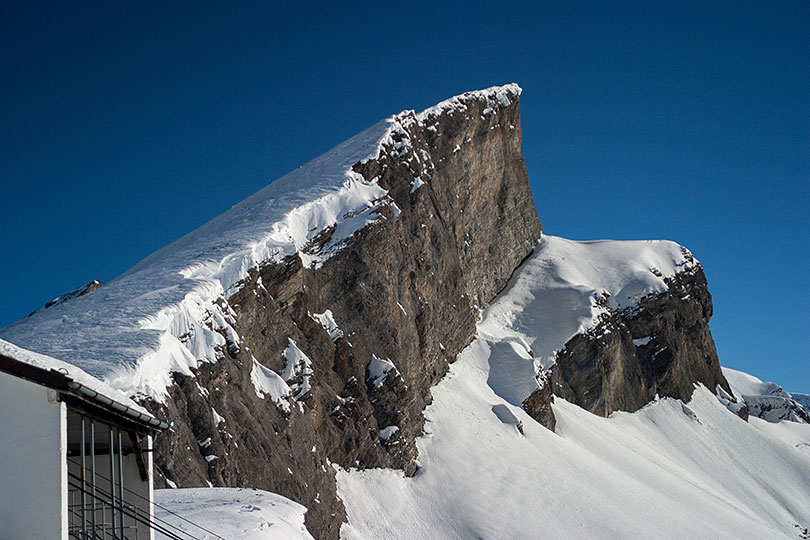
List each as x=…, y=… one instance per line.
x=75, y=293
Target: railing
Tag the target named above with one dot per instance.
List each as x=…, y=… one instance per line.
x=101, y=507
x=100, y=498
x=78, y=519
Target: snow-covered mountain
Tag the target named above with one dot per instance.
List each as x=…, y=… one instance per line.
x=767, y=400
x=670, y=470
x=300, y=343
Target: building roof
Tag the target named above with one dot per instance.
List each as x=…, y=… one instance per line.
x=71, y=380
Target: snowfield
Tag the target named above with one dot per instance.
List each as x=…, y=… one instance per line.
x=670, y=470
x=243, y=514
x=169, y=313
x=667, y=471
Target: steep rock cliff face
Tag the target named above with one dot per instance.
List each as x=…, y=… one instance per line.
x=400, y=300
x=660, y=346
x=305, y=327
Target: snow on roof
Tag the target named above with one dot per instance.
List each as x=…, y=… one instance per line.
x=46, y=362
x=169, y=312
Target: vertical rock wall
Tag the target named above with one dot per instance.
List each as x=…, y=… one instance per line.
x=661, y=347
x=404, y=291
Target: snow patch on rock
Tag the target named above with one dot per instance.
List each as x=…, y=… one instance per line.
x=267, y=382
x=387, y=432
x=327, y=320
x=378, y=370
x=297, y=370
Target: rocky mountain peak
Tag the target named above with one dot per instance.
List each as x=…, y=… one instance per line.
x=304, y=328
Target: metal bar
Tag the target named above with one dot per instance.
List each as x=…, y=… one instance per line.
x=112, y=482
x=137, y=495
x=93, y=471
x=160, y=526
x=70, y=504
x=84, y=496
x=121, y=481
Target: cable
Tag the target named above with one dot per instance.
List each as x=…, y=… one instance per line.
x=151, y=523
x=141, y=519
x=156, y=504
x=136, y=517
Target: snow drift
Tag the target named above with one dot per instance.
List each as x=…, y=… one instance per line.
x=670, y=470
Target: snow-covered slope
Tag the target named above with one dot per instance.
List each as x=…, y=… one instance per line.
x=167, y=312
x=555, y=295
x=487, y=470
x=170, y=312
x=246, y=514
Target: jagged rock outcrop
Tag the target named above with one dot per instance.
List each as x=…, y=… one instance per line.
x=403, y=291
x=305, y=327
x=776, y=408
x=75, y=293
x=765, y=400
x=661, y=347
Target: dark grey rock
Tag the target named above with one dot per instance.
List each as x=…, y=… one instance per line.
x=603, y=370
x=405, y=289
x=75, y=293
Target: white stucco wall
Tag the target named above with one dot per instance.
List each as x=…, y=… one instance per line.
x=33, y=470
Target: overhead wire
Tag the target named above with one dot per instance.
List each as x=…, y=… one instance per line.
x=134, y=515
x=145, y=499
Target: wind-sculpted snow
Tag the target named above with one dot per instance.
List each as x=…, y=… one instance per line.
x=667, y=471
x=169, y=312
x=559, y=292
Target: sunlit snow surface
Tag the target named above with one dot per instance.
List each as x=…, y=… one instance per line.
x=166, y=314
x=555, y=295
x=243, y=514
x=169, y=312
x=669, y=471
x=78, y=375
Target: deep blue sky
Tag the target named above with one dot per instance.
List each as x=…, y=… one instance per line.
x=124, y=127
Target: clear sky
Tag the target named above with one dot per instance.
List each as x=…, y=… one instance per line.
x=124, y=127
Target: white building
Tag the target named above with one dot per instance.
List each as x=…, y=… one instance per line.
x=76, y=454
